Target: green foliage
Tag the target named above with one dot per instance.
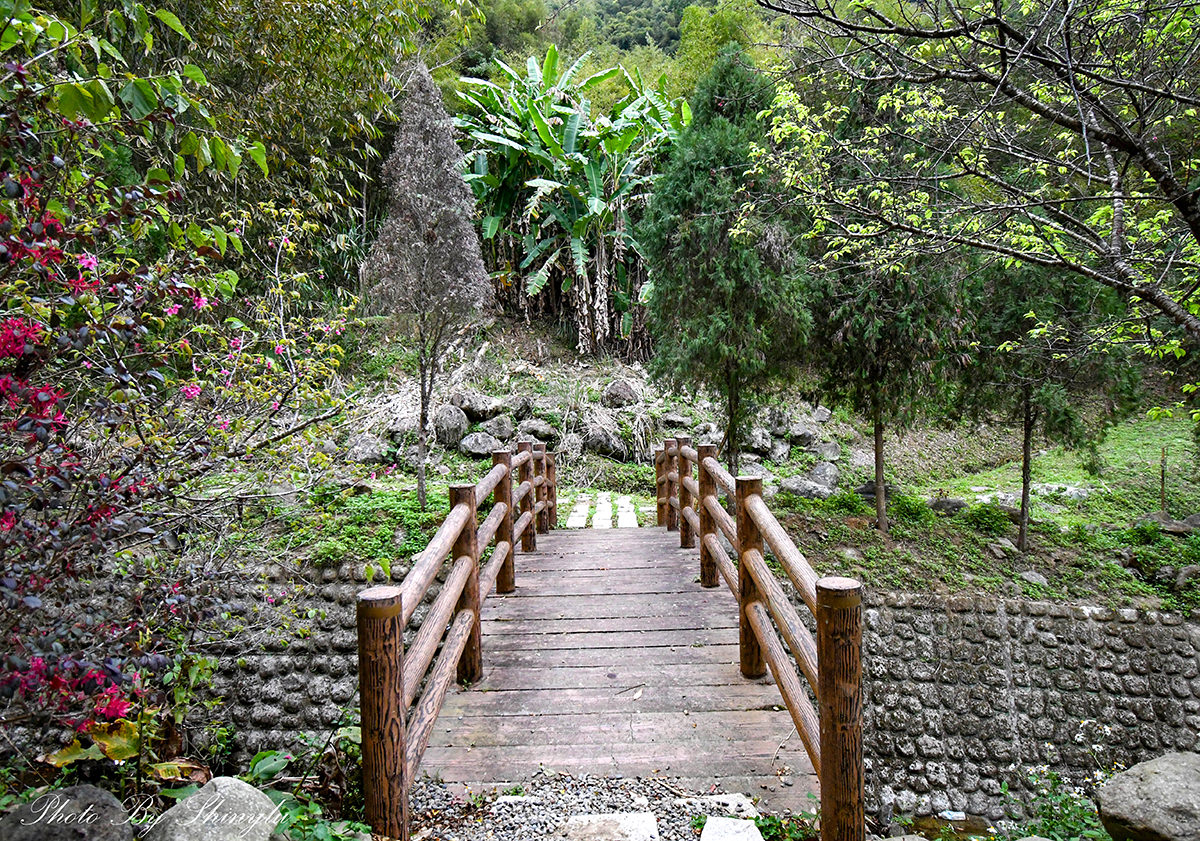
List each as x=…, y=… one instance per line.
x=846, y=502
x=987, y=518
x=626, y=478
x=722, y=302
x=1145, y=533
x=557, y=186
x=1060, y=812
x=774, y=828
x=375, y=529
x=912, y=510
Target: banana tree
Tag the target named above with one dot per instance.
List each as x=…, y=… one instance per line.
x=559, y=187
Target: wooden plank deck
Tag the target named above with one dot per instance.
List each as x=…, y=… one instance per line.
x=610, y=659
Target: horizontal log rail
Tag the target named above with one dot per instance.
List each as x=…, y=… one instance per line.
x=830, y=662
x=395, y=732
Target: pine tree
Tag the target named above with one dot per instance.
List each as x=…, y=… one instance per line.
x=426, y=261
x=721, y=305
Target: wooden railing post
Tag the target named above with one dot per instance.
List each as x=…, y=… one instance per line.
x=839, y=699
x=381, y=698
x=660, y=484
x=539, y=466
x=687, y=537
x=525, y=474
x=551, y=491
x=749, y=539
x=672, y=486
x=470, y=665
x=506, y=578
x=708, y=487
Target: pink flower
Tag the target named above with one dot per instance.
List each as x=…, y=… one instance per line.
x=88, y=261
x=190, y=391
x=173, y=309
x=199, y=302
x=278, y=350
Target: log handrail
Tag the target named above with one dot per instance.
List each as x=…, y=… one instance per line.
x=830, y=661
x=395, y=733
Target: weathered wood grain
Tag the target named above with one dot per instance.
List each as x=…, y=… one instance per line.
x=610, y=658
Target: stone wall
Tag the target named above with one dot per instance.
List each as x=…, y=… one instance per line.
x=964, y=694
x=301, y=684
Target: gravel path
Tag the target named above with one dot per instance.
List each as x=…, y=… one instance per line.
x=548, y=800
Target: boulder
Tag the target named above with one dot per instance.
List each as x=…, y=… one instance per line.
x=1192, y=520
x=801, y=434
x=78, y=813
x=367, y=448
x=828, y=451
x=402, y=427
x=1187, y=576
x=821, y=414
x=1168, y=525
x=477, y=407
x=619, y=393
x=450, y=425
x=824, y=473
x=501, y=426
x=746, y=467
x=522, y=408
x=759, y=440
x=1158, y=800
x=805, y=488
x=225, y=809
x=947, y=506
x=706, y=433
x=775, y=419
x=1033, y=577
x=479, y=445
x=676, y=420
x=780, y=450
x=868, y=490
x=539, y=429
x=604, y=441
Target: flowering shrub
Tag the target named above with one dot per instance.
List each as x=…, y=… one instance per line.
x=136, y=377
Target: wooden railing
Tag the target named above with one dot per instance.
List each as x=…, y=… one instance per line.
x=394, y=732
x=832, y=731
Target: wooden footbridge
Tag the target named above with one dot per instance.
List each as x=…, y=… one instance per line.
x=614, y=652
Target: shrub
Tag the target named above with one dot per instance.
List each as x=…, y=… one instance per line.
x=847, y=502
x=1145, y=533
x=987, y=518
x=911, y=509
x=627, y=479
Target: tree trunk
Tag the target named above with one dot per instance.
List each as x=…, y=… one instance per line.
x=881, y=519
x=732, y=432
x=426, y=389
x=1026, y=465
x=422, y=449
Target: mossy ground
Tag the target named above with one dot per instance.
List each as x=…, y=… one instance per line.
x=1077, y=545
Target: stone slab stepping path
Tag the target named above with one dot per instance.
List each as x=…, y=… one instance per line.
x=626, y=516
x=626, y=513
x=604, y=512
x=578, y=516
x=730, y=829
x=614, y=826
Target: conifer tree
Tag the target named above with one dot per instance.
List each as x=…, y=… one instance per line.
x=722, y=304
x=426, y=262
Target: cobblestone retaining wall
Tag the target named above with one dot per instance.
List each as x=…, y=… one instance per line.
x=964, y=694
